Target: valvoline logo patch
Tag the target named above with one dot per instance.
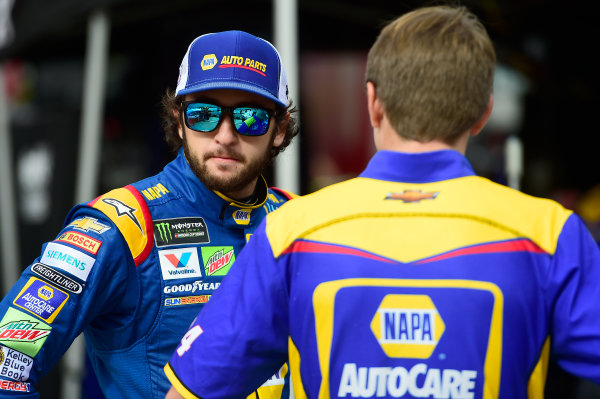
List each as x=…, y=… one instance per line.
x=179, y=263
x=407, y=326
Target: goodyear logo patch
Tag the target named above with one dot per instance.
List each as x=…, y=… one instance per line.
x=41, y=299
x=14, y=364
x=23, y=332
x=217, y=260
x=242, y=216
x=208, y=62
x=80, y=240
x=407, y=326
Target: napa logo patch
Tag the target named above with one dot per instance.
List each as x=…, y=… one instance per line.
x=23, y=332
x=209, y=61
x=407, y=326
x=409, y=196
x=242, y=216
x=217, y=260
x=41, y=299
x=179, y=263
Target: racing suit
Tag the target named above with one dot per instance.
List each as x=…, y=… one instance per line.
x=131, y=269
x=417, y=279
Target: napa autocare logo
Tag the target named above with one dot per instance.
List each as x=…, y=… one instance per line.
x=418, y=381
x=217, y=260
x=41, y=299
x=407, y=326
x=180, y=231
x=209, y=61
x=23, y=332
x=179, y=263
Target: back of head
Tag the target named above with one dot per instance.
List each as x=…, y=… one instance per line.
x=433, y=70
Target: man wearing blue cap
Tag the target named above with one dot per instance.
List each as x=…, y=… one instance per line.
x=133, y=267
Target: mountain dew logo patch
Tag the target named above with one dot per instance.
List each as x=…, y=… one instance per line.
x=217, y=260
x=22, y=332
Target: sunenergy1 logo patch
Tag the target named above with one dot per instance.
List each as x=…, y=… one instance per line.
x=217, y=260
x=179, y=263
x=23, y=332
x=407, y=326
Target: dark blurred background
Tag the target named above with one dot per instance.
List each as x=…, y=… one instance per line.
x=547, y=100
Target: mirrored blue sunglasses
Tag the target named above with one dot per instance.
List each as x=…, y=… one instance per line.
x=249, y=120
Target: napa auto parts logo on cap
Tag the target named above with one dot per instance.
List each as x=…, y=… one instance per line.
x=209, y=61
x=179, y=263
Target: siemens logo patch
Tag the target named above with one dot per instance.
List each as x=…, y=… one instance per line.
x=416, y=382
x=180, y=231
x=68, y=259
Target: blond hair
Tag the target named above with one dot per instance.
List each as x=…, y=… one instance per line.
x=433, y=72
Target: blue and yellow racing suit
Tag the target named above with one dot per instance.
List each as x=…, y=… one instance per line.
x=131, y=269
x=417, y=279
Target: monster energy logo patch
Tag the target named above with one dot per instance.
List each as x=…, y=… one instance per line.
x=180, y=231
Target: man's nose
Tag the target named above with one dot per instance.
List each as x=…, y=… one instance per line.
x=226, y=133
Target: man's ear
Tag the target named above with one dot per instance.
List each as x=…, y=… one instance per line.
x=484, y=118
x=374, y=105
x=178, y=119
x=281, y=130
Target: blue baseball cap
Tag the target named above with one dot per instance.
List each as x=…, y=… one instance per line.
x=233, y=60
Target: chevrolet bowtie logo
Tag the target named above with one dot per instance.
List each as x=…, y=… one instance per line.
x=411, y=196
x=89, y=224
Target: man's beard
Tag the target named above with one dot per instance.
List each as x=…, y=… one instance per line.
x=233, y=183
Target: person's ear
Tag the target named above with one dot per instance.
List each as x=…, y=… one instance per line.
x=483, y=119
x=282, y=128
x=178, y=119
x=374, y=105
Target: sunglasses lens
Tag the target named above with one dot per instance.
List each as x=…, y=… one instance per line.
x=251, y=121
x=202, y=117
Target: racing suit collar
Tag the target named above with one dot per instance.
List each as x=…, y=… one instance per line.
x=423, y=167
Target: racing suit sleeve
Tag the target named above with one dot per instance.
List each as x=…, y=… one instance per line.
x=241, y=335
x=81, y=277
x=575, y=306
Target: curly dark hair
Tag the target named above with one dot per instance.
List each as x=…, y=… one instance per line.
x=170, y=122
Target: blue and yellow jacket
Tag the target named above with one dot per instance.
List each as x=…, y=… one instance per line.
x=131, y=269
x=417, y=279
